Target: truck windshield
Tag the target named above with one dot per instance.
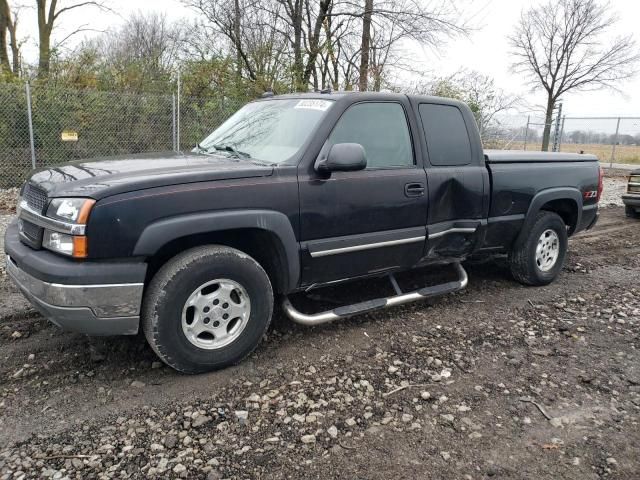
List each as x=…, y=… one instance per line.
x=271, y=131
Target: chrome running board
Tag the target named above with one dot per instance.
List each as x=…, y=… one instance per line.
x=378, y=303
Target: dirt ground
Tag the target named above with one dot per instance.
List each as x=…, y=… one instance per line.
x=498, y=381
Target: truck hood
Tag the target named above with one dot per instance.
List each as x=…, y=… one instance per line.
x=102, y=177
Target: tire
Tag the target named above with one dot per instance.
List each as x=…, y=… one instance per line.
x=529, y=268
x=631, y=212
x=216, y=280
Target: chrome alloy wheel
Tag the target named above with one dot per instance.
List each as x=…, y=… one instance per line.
x=548, y=250
x=215, y=314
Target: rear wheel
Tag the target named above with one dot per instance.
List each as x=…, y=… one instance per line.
x=538, y=259
x=207, y=308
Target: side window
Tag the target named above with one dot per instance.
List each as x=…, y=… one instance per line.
x=446, y=133
x=381, y=128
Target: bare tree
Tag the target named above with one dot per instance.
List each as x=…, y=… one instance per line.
x=302, y=21
x=140, y=55
x=252, y=34
x=314, y=22
x=148, y=40
x=560, y=46
x=365, y=45
x=426, y=22
x=48, y=17
x=486, y=100
x=16, y=45
x=5, y=66
x=289, y=31
x=9, y=26
x=320, y=42
x=389, y=56
x=339, y=51
x=227, y=19
x=480, y=92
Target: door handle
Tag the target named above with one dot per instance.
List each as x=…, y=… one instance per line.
x=414, y=189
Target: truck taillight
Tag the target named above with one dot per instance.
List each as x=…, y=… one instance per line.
x=600, y=183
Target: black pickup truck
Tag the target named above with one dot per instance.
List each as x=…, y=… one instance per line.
x=291, y=193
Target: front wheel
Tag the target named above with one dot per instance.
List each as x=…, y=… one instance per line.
x=207, y=308
x=538, y=259
x=631, y=212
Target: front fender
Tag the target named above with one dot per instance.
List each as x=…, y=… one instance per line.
x=161, y=232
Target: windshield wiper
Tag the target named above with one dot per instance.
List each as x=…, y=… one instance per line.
x=200, y=149
x=232, y=149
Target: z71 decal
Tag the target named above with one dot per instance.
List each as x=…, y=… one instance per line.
x=591, y=194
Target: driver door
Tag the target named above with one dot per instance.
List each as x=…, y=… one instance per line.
x=369, y=221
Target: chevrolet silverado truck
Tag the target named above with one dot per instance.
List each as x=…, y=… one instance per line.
x=631, y=199
x=291, y=193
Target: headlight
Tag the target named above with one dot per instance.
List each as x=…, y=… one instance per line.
x=73, y=246
x=72, y=210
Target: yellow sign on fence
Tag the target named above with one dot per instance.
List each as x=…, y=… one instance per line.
x=69, y=136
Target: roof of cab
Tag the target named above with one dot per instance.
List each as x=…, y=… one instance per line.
x=339, y=95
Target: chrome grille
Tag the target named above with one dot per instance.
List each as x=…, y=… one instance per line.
x=35, y=197
x=634, y=184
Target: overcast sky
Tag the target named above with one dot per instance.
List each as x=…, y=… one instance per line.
x=485, y=50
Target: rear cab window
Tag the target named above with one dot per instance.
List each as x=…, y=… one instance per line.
x=448, y=142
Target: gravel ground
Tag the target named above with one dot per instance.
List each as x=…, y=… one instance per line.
x=613, y=189
x=12, y=303
x=498, y=381
x=8, y=199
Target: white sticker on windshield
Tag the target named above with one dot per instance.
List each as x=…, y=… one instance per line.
x=313, y=104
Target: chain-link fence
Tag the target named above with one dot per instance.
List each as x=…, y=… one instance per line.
x=611, y=139
x=514, y=132
x=15, y=152
x=200, y=116
x=45, y=125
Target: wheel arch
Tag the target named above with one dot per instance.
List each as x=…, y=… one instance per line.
x=265, y=235
x=565, y=201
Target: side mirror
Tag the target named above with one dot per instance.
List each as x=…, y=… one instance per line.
x=343, y=157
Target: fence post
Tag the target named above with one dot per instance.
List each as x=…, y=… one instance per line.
x=526, y=132
x=615, y=142
x=561, y=134
x=178, y=115
x=173, y=122
x=30, y=119
x=557, y=129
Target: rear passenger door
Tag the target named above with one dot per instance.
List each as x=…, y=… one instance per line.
x=368, y=221
x=457, y=178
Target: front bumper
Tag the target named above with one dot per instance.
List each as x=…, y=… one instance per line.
x=631, y=200
x=85, y=307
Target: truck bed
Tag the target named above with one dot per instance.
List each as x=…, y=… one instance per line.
x=519, y=177
x=520, y=156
